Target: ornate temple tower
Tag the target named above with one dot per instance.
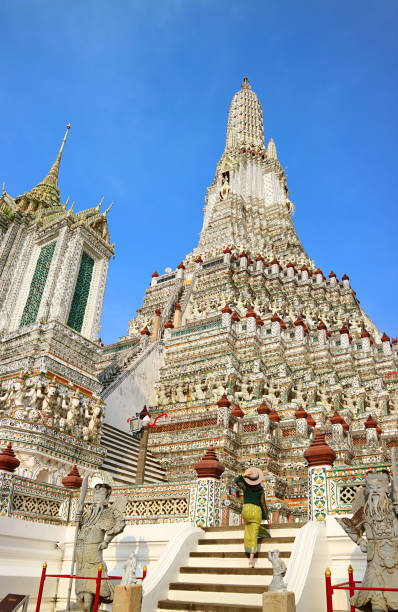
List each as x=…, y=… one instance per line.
x=53, y=269
x=248, y=346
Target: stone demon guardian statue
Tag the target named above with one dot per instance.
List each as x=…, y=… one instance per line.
x=98, y=526
x=374, y=527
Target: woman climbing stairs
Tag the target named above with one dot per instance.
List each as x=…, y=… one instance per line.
x=217, y=577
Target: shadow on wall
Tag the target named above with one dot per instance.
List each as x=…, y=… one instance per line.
x=124, y=547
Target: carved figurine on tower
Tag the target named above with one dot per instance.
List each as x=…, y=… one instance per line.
x=374, y=527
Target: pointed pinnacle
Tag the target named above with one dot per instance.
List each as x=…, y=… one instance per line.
x=108, y=209
x=52, y=176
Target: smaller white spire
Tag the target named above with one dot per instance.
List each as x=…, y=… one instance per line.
x=271, y=150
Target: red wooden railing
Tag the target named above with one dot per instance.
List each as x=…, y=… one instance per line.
x=346, y=586
x=97, y=578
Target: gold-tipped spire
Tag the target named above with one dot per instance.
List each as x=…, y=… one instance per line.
x=66, y=203
x=97, y=208
x=70, y=211
x=108, y=209
x=52, y=176
x=245, y=84
x=47, y=192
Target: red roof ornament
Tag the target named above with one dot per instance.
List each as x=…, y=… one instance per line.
x=169, y=324
x=299, y=322
x=332, y=275
x=227, y=250
x=210, y=466
x=344, y=329
x=345, y=277
x=157, y=312
x=304, y=268
x=336, y=419
x=370, y=422
x=275, y=261
x=250, y=313
x=319, y=452
x=8, y=460
x=237, y=412
x=181, y=266
x=283, y=325
x=199, y=259
x=155, y=274
x=243, y=254
x=290, y=265
x=235, y=317
x=263, y=408
x=259, y=258
x=275, y=318
x=274, y=416
x=145, y=331
x=318, y=271
x=144, y=413
x=385, y=338
x=223, y=402
x=321, y=325
x=310, y=421
x=259, y=321
x=300, y=413
x=365, y=333
x=345, y=425
x=73, y=480
x=226, y=309
x=178, y=307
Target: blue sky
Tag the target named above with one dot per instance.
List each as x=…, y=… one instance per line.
x=147, y=85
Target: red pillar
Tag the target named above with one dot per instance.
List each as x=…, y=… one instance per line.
x=329, y=590
x=98, y=587
x=40, y=593
x=351, y=584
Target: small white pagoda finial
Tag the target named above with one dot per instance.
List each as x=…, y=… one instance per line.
x=271, y=150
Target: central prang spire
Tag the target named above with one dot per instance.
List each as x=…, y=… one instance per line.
x=245, y=120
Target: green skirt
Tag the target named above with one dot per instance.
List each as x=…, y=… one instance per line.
x=252, y=515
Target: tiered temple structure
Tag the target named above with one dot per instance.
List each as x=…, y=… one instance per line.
x=248, y=346
x=53, y=268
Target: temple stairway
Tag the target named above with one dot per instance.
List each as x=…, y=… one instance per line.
x=217, y=577
x=121, y=460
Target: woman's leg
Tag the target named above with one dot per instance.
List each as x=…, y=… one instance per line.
x=252, y=516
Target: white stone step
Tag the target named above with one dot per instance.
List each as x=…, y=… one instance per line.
x=229, y=562
x=251, y=578
x=285, y=532
x=216, y=597
x=264, y=546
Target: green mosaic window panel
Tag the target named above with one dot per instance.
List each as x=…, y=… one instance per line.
x=82, y=289
x=37, y=285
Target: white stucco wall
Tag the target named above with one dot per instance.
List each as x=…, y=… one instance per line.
x=134, y=391
x=25, y=545
x=342, y=552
